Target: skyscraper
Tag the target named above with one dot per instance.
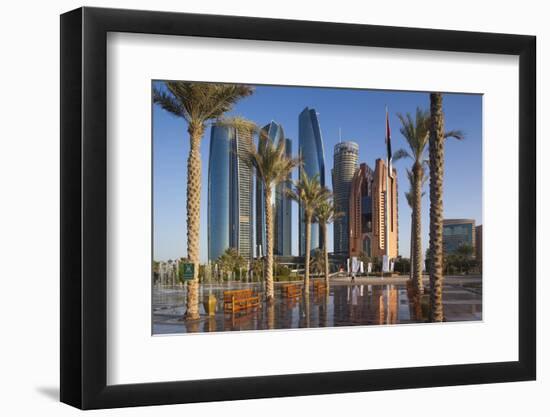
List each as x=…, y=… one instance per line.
x=230, y=193
x=283, y=213
x=379, y=188
x=311, y=150
x=345, y=165
x=282, y=208
x=360, y=212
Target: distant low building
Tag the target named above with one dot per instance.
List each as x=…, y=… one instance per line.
x=458, y=232
x=479, y=244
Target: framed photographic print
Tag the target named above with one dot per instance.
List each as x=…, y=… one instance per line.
x=255, y=208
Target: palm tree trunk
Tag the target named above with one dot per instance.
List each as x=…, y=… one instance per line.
x=307, y=307
x=193, y=217
x=436, y=206
x=412, y=248
x=270, y=316
x=307, y=254
x=270, y=291
x=417, y=201
x=325, y=252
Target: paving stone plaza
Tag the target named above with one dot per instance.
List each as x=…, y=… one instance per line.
x=366, y=301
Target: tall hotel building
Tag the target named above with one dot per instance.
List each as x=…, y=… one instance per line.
x=367, y=205
x=360, y=212
x=230, y=193
x=311, y=150
x=346, y=155
x=282, y=205
x=379, y=187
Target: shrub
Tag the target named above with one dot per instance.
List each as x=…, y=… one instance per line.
x=282, y=270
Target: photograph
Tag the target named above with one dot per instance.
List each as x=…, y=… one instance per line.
x=292, y=207
x=264, y=209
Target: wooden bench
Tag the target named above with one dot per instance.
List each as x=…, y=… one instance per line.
x=293, y=291
x=237, y=300
x=319, y=286
x=237, y=321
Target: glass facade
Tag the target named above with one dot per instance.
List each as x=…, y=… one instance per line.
x=311, y=150
x=282, y=209
x=457, y=233
x=283, y=213
x=230, y=193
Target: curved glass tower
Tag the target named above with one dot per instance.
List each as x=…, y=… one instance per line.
x=346, y=155
x=282, y=209
x=311, y=149
x=230, y=193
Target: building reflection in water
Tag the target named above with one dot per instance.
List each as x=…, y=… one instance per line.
x=343, y=305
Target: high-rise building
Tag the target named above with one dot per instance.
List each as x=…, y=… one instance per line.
x=283, y=212
x=345, y=165
x=458, y=232
x=230, y=193
x=282, y=207
x=311, y=150
x=360, y=212
x=379, y=188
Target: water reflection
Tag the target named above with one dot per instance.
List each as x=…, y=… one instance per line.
x=343, y=305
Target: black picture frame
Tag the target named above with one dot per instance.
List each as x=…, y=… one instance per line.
x=84, y=207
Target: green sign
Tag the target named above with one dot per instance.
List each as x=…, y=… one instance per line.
x=187, y=271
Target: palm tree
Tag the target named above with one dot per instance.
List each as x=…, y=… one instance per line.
x=309, y=193
x=273, y=166
x=416, y=134
x=409, y=195
x=465, y=254
x=325, y=214
x=257, y=266
x=437, y=154
x=196, y=103
x=231, y=260
x=317, y=263
x=409, y=198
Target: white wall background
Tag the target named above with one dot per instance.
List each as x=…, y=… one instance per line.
x=29, y=208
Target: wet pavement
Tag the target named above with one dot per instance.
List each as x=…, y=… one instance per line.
x=346, y=304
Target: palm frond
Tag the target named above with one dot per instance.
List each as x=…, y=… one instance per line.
x=238, y=122
x=309, y=192
x=200, y=102
x=224, y=96
x=401, y=154
x=455, y=134
x=270, y=159
x=168, y=102
x=326, y=212
x=415, y=131
x=409, y=197
x=410, y=177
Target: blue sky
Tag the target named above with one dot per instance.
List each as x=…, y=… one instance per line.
x=360, y=114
